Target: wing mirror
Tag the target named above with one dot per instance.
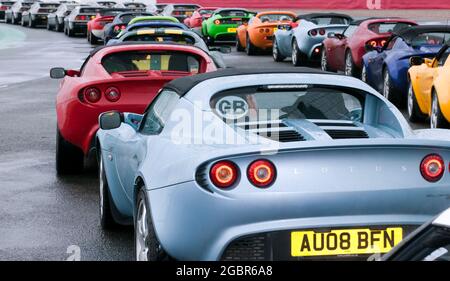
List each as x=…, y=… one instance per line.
x=416, y=61
x=110, y=120
x=57, y=73
x=331, y=35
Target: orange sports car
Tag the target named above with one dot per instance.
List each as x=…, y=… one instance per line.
x=257, y=34
x=429, y=89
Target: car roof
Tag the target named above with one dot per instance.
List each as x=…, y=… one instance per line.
x=185, y=84
x=378, y=19
x=443, y=219
x=411, y=32
x=321, y=15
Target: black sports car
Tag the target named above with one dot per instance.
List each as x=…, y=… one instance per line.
x=120, y=22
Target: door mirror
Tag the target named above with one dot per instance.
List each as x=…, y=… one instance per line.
x=416, y=61
x=331, y=35
x=57, y=73
x=110, y=120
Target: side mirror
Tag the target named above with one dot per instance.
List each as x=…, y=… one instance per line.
x=110, y=120
x=416, y=61
x=331, y=35
x=339, y=36
x=57, y=73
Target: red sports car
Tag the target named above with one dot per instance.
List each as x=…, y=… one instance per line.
x=95, y=27
x=118, y=77
x=344, y=52
x=195, y=21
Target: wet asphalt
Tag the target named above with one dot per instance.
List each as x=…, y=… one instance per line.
x=42, y=216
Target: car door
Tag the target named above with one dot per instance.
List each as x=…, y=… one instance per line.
x=132, y=143
x=376, y=64
x=340, y=47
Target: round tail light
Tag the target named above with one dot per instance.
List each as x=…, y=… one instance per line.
x=217, y=22
x=92, y=95
x=261, y=173
x=224, y=174
x=322, y=32
x=313, y=32
x=432, y=168
x=112, y=94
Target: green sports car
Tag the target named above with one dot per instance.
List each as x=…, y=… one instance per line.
x=222, y=25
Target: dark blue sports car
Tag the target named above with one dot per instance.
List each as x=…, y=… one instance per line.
x=386, y=68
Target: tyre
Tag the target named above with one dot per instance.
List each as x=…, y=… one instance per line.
x=388, y=89
x=70, y=32
x=239, y=47
x=31, y=24
x=324, y=60
x=48, y=26
x=364, y=77
x=437, y=119
x=147, y=246
x=350, y=67
x=22, y=22
x=14, y=20
x=276, y=52
x=414, y=113
x=92, y=39
x=69, y=158
x=297, y=56
x=58, y=27
x=105, y=203
x=250, y=49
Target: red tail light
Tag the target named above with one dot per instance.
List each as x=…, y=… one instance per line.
x=92, y=94
x=116, y=28
x=261, y=173
x=112, y=94
x=293, y=24
x=313, y=32
x=432, y=167
x=322, y=32
x=224, y=174
x=217, y=22
x=377, y=43
x=81, y=18
x=3, y=8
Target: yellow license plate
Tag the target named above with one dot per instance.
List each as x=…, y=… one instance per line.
x=275, y=29
x=344, y=242
x=231, y=29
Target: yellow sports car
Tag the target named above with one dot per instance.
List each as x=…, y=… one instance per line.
x=429, y=89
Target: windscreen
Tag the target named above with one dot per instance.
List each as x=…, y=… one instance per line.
x=430, y=38
x=185, y=7
x=166, y=38
x=6, y=3
x=206, y=11
x=149, y=60
x=289, y=102
x=90, y=10
x=110, y=12
x=153, y=25
x=126, y=18
x=388, y=27
x=329, y=20
x=275, y=18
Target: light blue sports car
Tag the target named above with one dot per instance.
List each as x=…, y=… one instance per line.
x=285, y=164
x=302, y=39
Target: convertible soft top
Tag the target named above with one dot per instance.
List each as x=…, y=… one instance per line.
x=319, y=15
x=409, y=33
x=183, y=85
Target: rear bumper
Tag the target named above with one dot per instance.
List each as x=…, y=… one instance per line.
x=78, y=27
x=262, y=40
x=39, y=19
x=194, y=224
x=99, y=33
x=2, y=15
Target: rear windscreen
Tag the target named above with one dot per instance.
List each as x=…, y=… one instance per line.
x=388, y=27
x=90, y=10
x=148, y=60
x=185, y=7
x=289, y=102
x=430, y=38
x=275, y=17
x=179, y=39
x=7, y=3
x=233, y=13
x=47, y=5
x=128, y=17
x=159, y=25
x=329, y=20
x=206, y=12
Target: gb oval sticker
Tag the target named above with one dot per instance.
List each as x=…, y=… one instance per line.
x=231, y=107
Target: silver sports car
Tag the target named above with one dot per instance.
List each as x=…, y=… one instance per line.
x=302, y=39
x=283, y=164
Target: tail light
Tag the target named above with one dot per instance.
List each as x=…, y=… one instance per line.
x=432, y=167
x=217, y=22
x=322, y=32
x=81, y=17
x=112, y=94
x=3, y=8
x=92, y=94
x=224, y=174
x=261, y=173
x=313, y=32
x=377, y=43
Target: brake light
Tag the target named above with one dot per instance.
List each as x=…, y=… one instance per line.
x=224, y=174
x=261, y=173
x=116, y=28
x=112, y=94
x=217, y=22
x=322, y=32
x=432, y=167
x=92, y=94
x=313, y=32
x=3, y=8
x=293, y=24
x=80, y=18
x=377, y=43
